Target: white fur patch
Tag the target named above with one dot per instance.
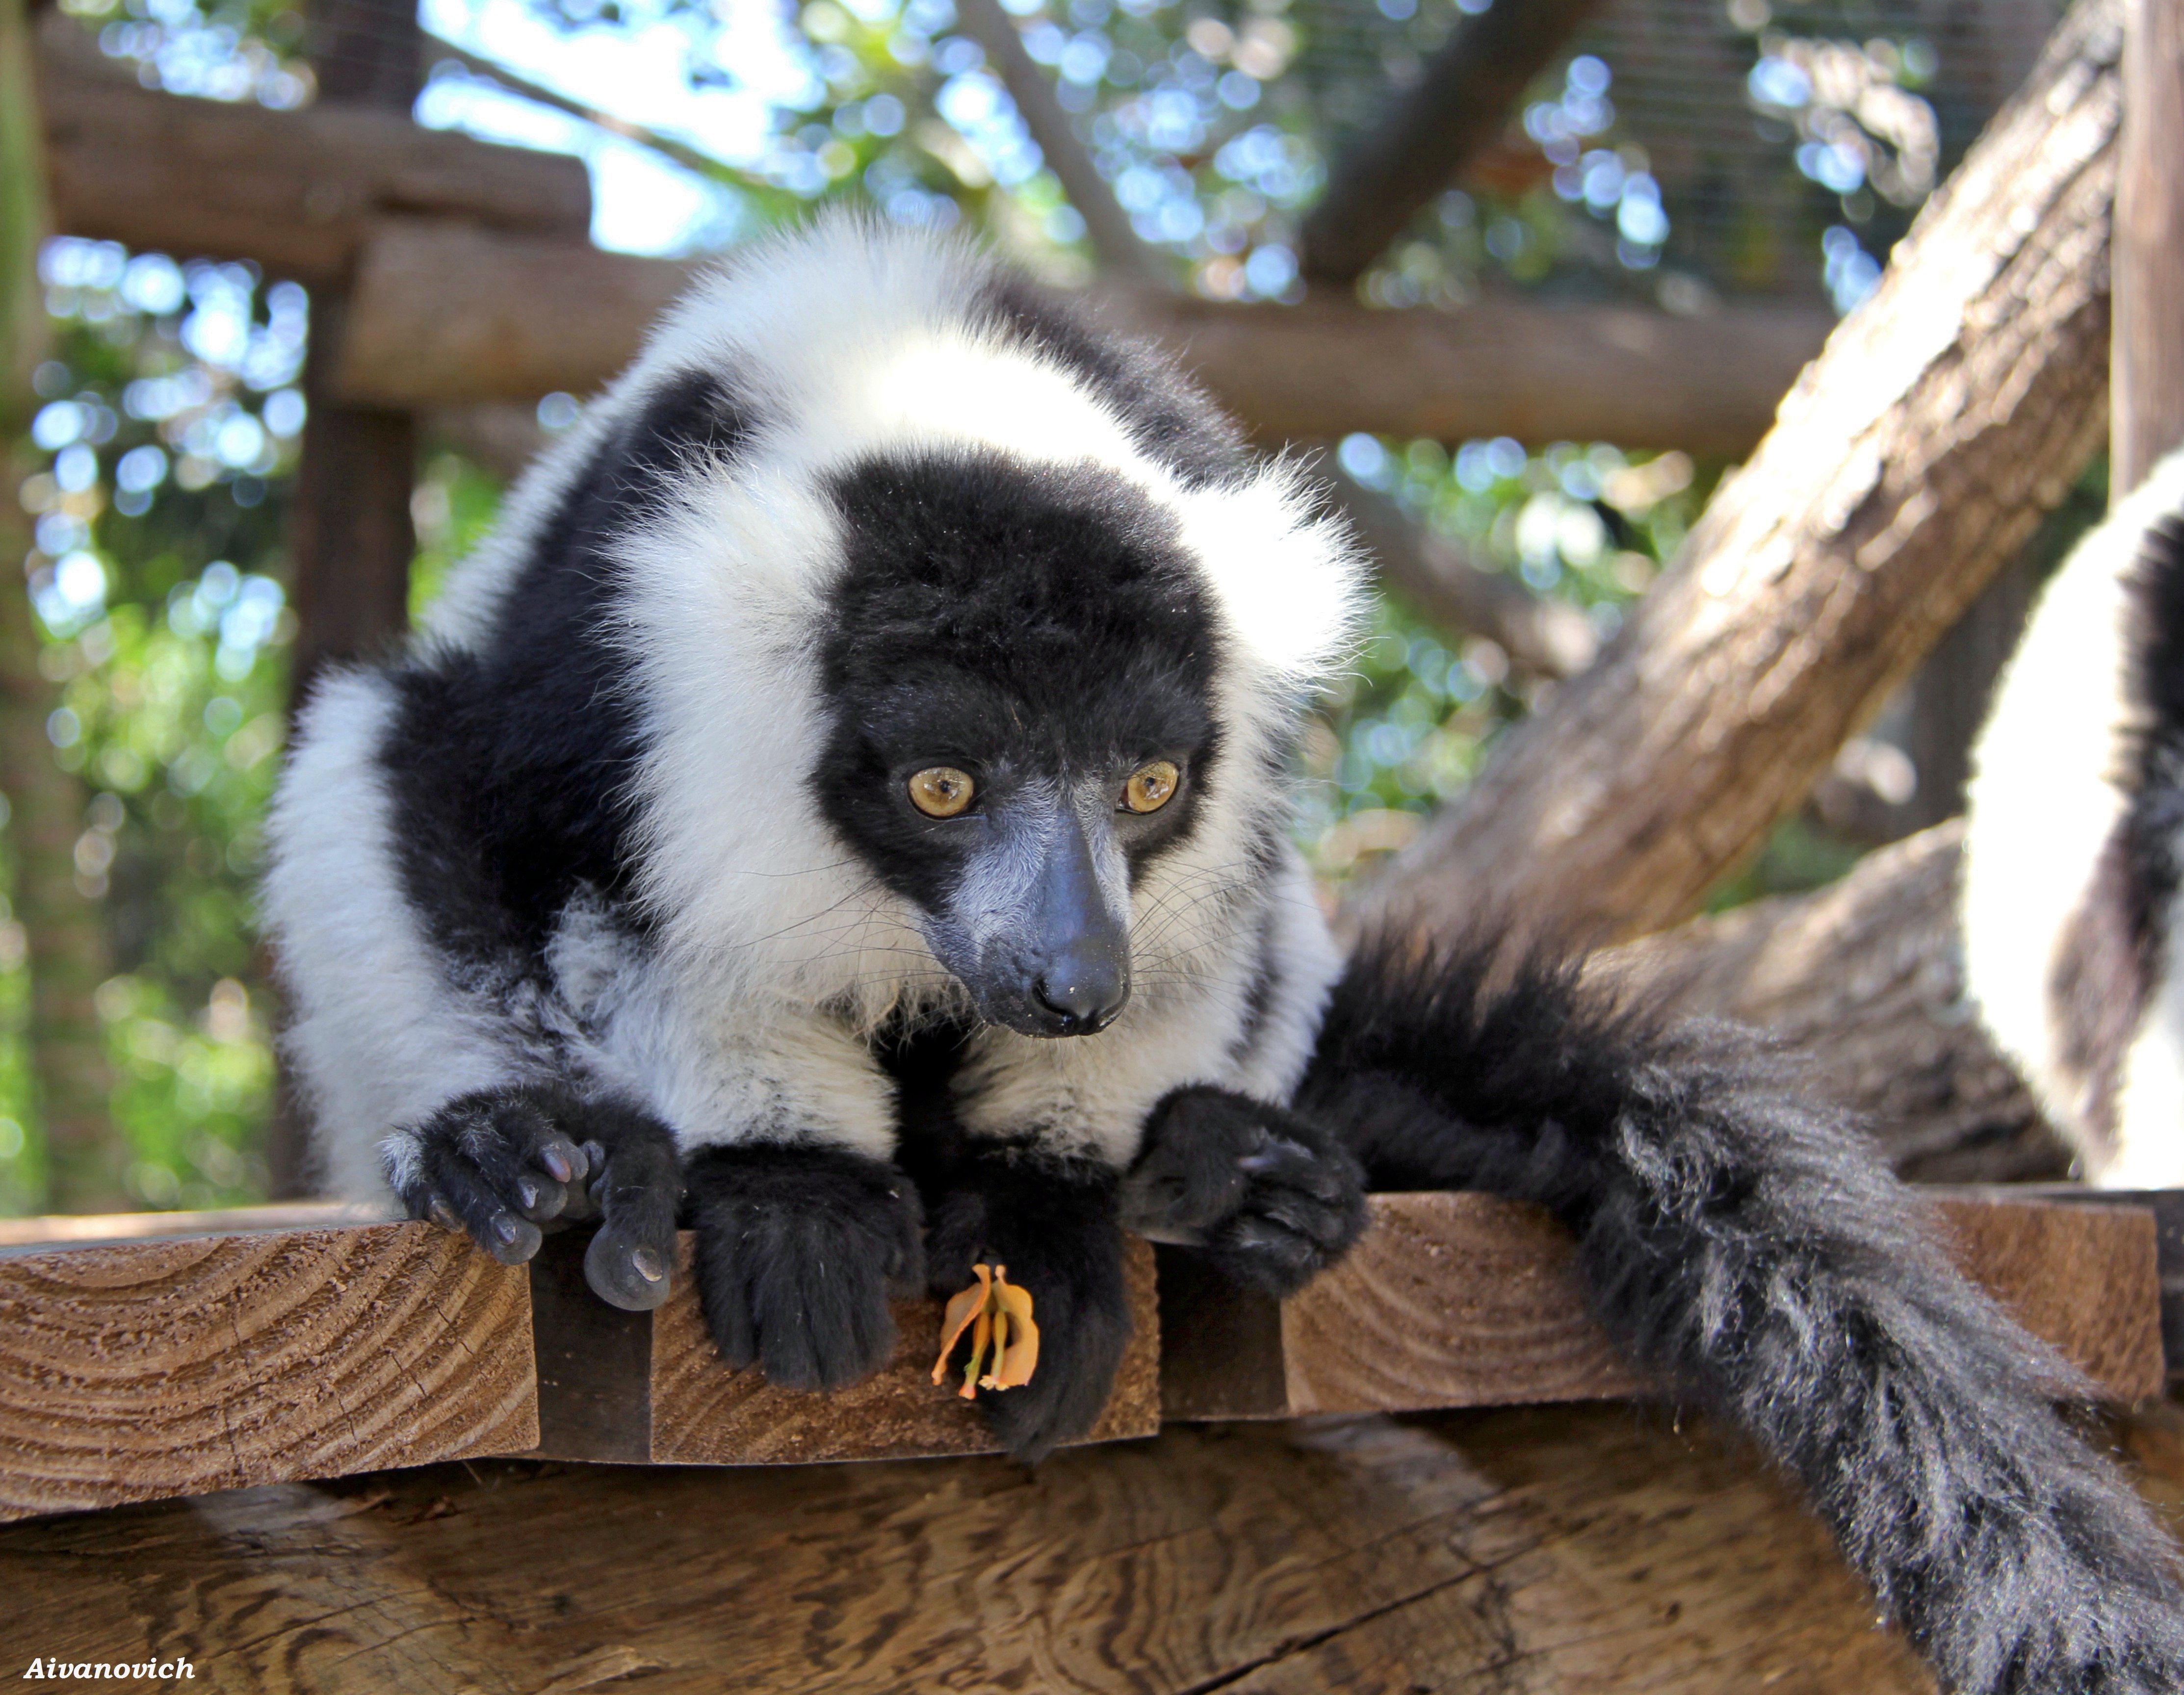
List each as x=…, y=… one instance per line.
x=2044, y=797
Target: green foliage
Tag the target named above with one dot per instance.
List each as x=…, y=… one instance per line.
x=1419, y=712
x=171, y=422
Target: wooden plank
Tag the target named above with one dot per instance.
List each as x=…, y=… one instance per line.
x=1454, y=1300
x=294, y=190
x=1560, y=1552
x=140, y=1369
x=687, y=1410
x=443, y=314
x=61, y=1230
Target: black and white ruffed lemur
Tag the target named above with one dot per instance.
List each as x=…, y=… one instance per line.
x=2075, y=842
x=846, y=803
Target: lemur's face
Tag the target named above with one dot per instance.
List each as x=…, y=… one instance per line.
x=1019, y=662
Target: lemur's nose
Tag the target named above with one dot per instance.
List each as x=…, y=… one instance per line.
x=1085, y=993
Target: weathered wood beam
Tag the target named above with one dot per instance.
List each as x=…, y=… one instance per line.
x=294, y=190
x=1590, y=1549
x=444, y=315
x=1911, y=462
x=1865, y=980
x=1464, y=1300
x=1456, y=109
x=136, y=1370
x=2147, y=369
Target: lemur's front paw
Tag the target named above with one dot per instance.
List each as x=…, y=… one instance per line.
x=1269, y=1197
x=498, y=1163
x=798, y=1250
x=1052, y=1224
x=634, y=1187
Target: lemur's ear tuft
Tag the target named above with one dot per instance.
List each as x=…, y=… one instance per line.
x=1288, y=575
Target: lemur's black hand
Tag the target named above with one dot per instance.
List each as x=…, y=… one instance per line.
x=798, y=1251
x=1270, y=1198
x=633, y=1185
x=498, y=1163
x=1052, y=1224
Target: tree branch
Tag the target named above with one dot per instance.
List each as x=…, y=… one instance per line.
x=1866, y=977
x=1457, y=110
x=1106, y=226
x=1913, y=459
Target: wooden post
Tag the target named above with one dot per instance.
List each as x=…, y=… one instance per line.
x=2147, y=352
x=65, y=931
x=351, y=537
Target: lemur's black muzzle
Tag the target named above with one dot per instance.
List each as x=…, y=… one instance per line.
x=1079, y=949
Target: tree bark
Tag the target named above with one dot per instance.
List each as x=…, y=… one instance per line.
x=65, y=935
x=1459, y=107
x=2148, y=349
x=1911, y=462
x=1865, y=978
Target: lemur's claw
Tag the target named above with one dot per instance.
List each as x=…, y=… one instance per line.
x=1268, y=1196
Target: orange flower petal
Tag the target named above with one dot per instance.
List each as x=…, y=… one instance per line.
x=982, y=1332
x=962, y=1309
x=1013, y=1367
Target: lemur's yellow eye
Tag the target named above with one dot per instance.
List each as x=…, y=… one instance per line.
x=1151, y=787
x=941, y=791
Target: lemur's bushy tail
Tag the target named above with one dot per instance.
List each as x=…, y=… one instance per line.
x=1744, y=1244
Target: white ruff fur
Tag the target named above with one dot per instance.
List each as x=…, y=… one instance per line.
x=775, y=952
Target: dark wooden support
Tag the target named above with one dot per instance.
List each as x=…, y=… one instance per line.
x=649, y=1386
x=2147, y=374
x=1456, y=110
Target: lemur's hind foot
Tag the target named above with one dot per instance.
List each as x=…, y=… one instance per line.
x=497, y=1163
x=1268, y=1198
x=798, y=1248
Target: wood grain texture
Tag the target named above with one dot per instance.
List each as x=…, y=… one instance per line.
x=702, y=1413
x=1911, y=460
x=1529, y=1552
x=1449, y=1301
x=1458, y=1300
x=152, y=1368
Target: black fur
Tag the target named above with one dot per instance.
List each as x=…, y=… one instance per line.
x=798, y=1249
x=509, y=769
x=1022, y=622
x=1268, y=1198
x=1748, y=1247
